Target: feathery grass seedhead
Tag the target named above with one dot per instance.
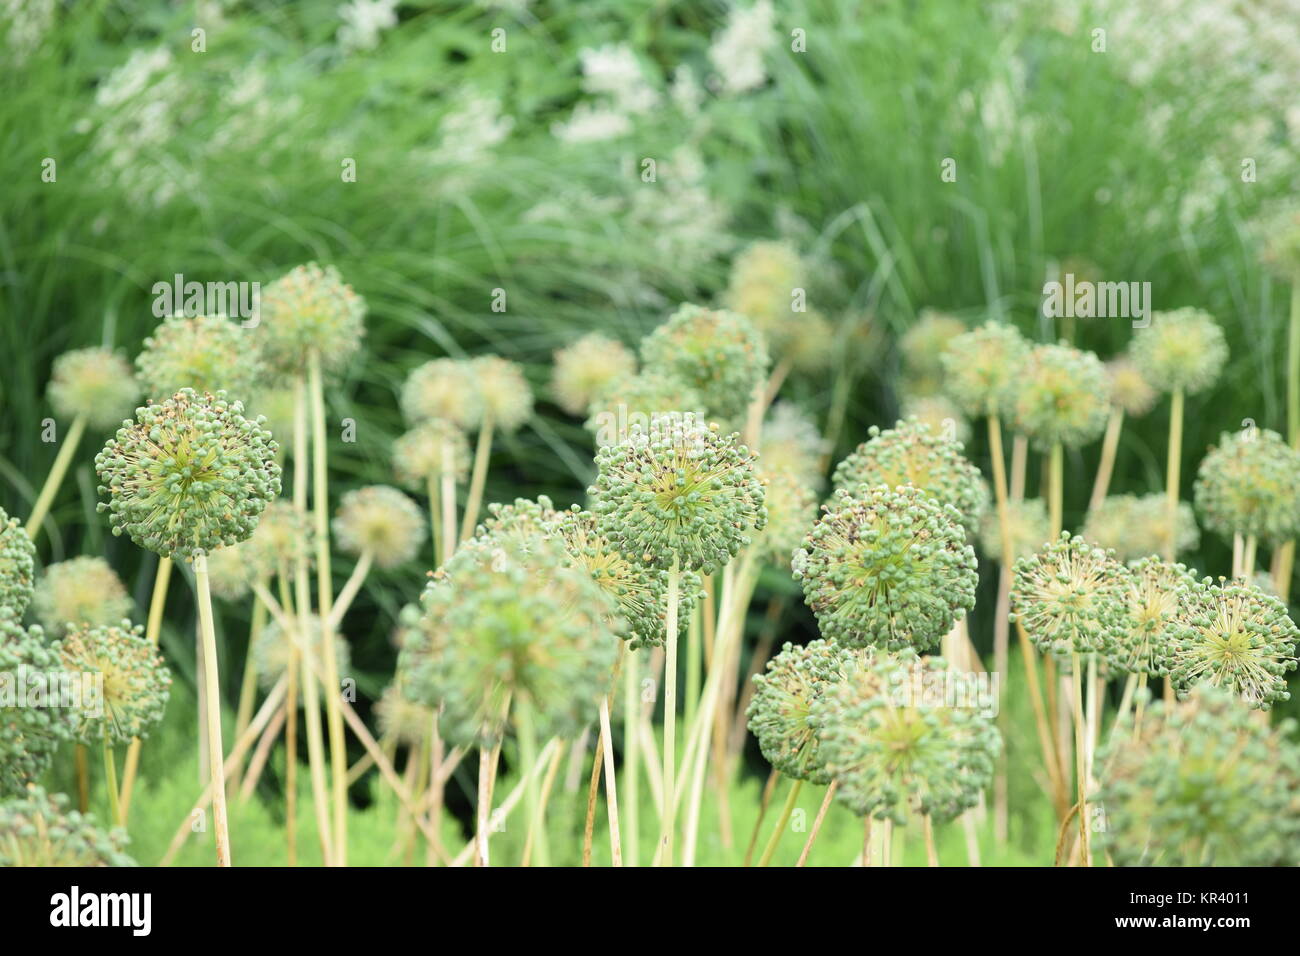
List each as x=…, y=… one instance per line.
x=1204, y=784
x=507, y=396
x=417, y=455
x=310, y=309
x=1183, y=349
x=95, y=382
x=1250, y=484
x=911, y=454
x=583, y=370
x=443, y=389
x=1064, y=396
x=136, y=680
x=1135, y=526
x=1234, y=636
x=403, y=720
x=514, y=620
x=718, y=353
x=678, y=491
x=1281, y=234
x=891, y=754
x=275, y=649
x=778, y=712
x=29, y=735
x=889, y=568
x=207, y=353
x=1070, y=597
x=640, y=591
x=1156, y=593
x=792, y=443
x=39, y=829
x=791, y=511
x=1129, y=388
x=982, y=368
x=80, y=591
x=1027, y=523
x=940, y=413
x=17, y=565
x=189, y=475
x=637, y=401
x=922, y=347
x=381, y=520
x=761, y=287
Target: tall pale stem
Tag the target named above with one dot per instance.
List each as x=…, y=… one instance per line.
x=1106, y=467
x=152, y=632
x=631, y=756
x=670, y=717
x=55, y=478
x=1080, y=756
x=532, y=802
x=611, y=784
x=447, y=499
x=474, y=500
x=216, y=754
x=1171, y=473
x=1286, y=554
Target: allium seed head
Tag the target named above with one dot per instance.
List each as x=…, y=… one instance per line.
x=275, y=649
x=940, y=413
x=280, y=533
x=135, y=678
x=507, y=396
x=636, y=401
x=80, y=591
x=95, y=382
x=1156, y=593
x=586, y=368
x=922, y=347
x=1184, y=349
x=310, y=309
x=791, y=510
x=1135, y=526
x=40, y=829
x=17, y=565
x=28, y=735
x=1250, y=484
x=231, y=571
x=521, y=520
x=1027, y=523
x=982, y=368
x=418, y=454
x=403, y=720
x=443, y=388
x=792, y=443
x=718, y=353
x=383, y=521
x=1129, y=388
x=208, y=353
x=761, y=287
x=1064, y=397
x=1281, y=235
x=1070, y=597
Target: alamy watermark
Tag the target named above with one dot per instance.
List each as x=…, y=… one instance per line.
x=928, y=688
x=1085, y=299
x=237, y=300
x=82, y=691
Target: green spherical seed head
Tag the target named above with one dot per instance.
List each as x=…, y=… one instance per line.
x=1184, y=349
x=1070, y=597
x=1249, y=484
x=29, y=734
x=1135, y=526
x=922, y=347
x=938, y=412
x=207, y=353
x=403, y=720
x=443, y=389
x=17, y=565
x=586, y=368
x=80, y=591
x=1129, y=389
x=418, y=455
x=791, y=502
x=39, y=829
x=96, y=383
x=382, y=521
x=310, y=309
x=792, y=443
x=135, y=681
x=638, y=401
x=1064, y=397
x=506, y=395
x=982, y=368
x=1157, y=594
x=718, y=353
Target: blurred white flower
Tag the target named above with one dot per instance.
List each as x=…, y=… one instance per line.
x=471, y=129
x=364, y=21
x=614, y=71
x=737, y=51
x=27, y=23
x=590, y=123
x=686, y=91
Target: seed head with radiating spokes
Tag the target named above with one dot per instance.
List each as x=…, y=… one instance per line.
x=892, y=753
x=275, y=649
x=29, y=735
x=231, y=572
x=1064, y=396
x=272, y=550
x=982, y=368
x=189, y=475
x=1070, y=597
x=637, y=401
x=1027, y=525
x=1129, y=388
x=40, y=829
x=718, y=353
x=889, y=568
x=507, y=396
x=95, y=382
x=1183, y=349
x=81, y=590
x=1156, y=593
x=207, y=353
x=442, y=388
x=1250, y=484
x=135, y=678
x=17, y=565
x=1234, y=636
x=1135, y=526
x=403, y=720
x=310, y=309
x=383, y=521
x=586, y=368
x=521, y=520
x=1203, y=784
x=783, y=698
x=679, y=491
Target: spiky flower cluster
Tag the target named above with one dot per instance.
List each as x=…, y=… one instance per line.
x=1156, y=594
x=911, y=454
x=1203, y=784
x=418, y=454
x=718, y=353
x=792, y=443
x=791, y=510
x=207, y=353
x=1129, y=388
x=382, y=521
x=762, y=286
x=1183, y=349
x=891, y=753
x=1250, y=484
x=96, y=383
x=310, y=309
x=982, y=368
x=275, y=649
x=189, y=475
x=679, y=492
x=637, y=401
x=135, y=680
x=940, y=413
x=1070, y=597
x=1134, y=526
x=17, y=564
x=39, y=829
x=28, y=735
x=783, y=698
x=586, y=368
x=506, y=395
x=889, y=568
x=922, y=347
x=80, y=591
x=1027, y=526
x=1064, y=397
x=1236, y=637
x=521, y=520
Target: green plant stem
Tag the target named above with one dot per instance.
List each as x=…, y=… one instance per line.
x=611, y=783
x=763, y=803
x=1171, y=472
x=1080, y=756
x=1286, y=554
x=670, y=717
x=1106, y=466
x=81, y=759
x=931, y=851
x=482, y=454
x=152, y=632
x=1056, y=490
x=781, y=822
x=435, y=519
x=55, y=478
x=110, y=780
x=216, y=754
x=694, y=667
x=631, y=756
x=817, y=823
x=447, y=499
x=532, y=805
x=290, y=729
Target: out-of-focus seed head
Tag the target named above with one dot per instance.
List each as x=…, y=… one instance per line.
x=80, y=591
x=791, y=511
x=811, y=346
x=1071, y=598
x=1135, y=526
x=940, y=413
x=136, y=681
x=1129, y=388
x=17, y=565
x=403, y=720
x=274, y=650
x=420, y=455
x=277, y=405
x=40, y=829
x=1064, y=397
x=189, y=475
x=982, y=368
x=445, y=389
x=762, y=287
x=231, y=571
x=888, y=568
x=637, y=401
x=310, y=309
x=922, y=346
x=274, y=546
x=208, y=353
x=1250, y=484
x=29, y=735
x=1183, y=349
x=1027, y=525
x=718, y=353
x=96, y=383
x=381, y=520
x=680, y=492
x=583, y=370
x=521, y=520
x=507, y=396
x=1156, y=593
x=792, y=443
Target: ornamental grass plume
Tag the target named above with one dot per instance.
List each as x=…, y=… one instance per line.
x=382, y=522
x=888, y=568
x=586, y=368
x=96, y=384
x=310, y=310
x=1202, y=784
x=1180, y=351
x=1236, y=637
x=40, y=829
x=982, y=368
x=1063, y=398
x=939, y=412
x=1135, y=526
x=275, y=649
x=136, y=681
x=637, y=401
x=1070, y=597
x=1156, y=594
x=29, y=735
x=1249, y=484
x=17, y=565
x=1027, y=524
x=207, y=353
x=443, y=389
x=718, y=353
x=765, y=278
x=922, y=347
x=82, y=590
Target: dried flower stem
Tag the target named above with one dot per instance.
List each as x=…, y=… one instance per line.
x=1080, y=755
x=153, y=630
x=216, y=753
x=763, y=803
x=482, y=454
x=110, y=780
x=55, y=478
x=817, y=823
x=532, y=804
x=931, y=851
x=248, y=685
x=670, y=716
x=632, y=755
x=611, y=784
x=781, y=823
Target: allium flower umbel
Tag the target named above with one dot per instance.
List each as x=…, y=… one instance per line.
x=189, y=475
x=275, y=649
x=1064, y=397
x=783, y=698
x=80, y=591
x=792, y=443
x=1156, y=593
x=40, y=829
x=29, y=735
x=922, y=346
x=382, y=521
x=636, y=401
x=1180, y=350
x=445, y=389
x=762, y=287
x=1129, y=388
x=1027, y=524
x=207, y=353
x=507, y=396
x=718, y=353
x=1070, y=597
x=586, y=368
x=982, y=368
x=403, y=720
x=939, y=412
x=1203, y=784
x=94, y=383
x=891, y=753
x=310, y=309
x=679, y=493
x=17, y=563
x=889, y=568
x=1281, y=237
x=1135, y=526
x=1235, y=636
x=136, y=681
x=791, y=502
x=1250, y=484
x=418, y=454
